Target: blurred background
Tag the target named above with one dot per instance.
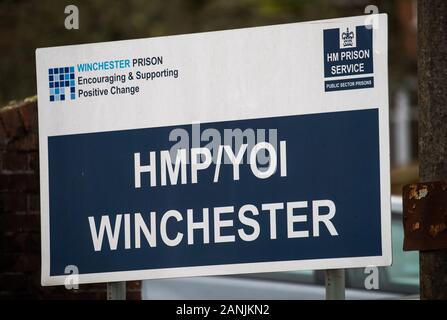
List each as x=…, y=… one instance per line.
x=26, y=25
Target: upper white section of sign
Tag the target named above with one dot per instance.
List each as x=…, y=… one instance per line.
x=223, y=75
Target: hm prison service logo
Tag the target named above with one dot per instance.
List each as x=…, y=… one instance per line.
x=348, y=58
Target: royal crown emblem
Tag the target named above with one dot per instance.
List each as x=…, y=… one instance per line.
x=347, y=38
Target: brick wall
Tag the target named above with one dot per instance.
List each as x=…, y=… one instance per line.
x=20, y=214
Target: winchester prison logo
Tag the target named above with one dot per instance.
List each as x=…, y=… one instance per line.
x=106, y=77
x=61, y=82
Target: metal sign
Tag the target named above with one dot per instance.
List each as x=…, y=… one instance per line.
x=250, y=150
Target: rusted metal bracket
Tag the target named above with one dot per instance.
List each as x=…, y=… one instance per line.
x=425, y=216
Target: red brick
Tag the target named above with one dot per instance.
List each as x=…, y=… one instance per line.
x=12, y=202
x=13, y=282
x=33, y=202
x=3, y=138
x=28, y=111
x=11, y=222
x=29, y=142
x=19, y=182
x=14, y=161
x=7, y=261
x=101, y=295
x=12, y=122
x=15, y=262
x=33, y=162
x=135, y=295
x=20, y=243
x=133, y=285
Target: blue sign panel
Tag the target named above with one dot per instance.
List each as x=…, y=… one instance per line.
x=117, y=202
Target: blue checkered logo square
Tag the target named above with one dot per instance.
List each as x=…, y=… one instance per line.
x=61, y=83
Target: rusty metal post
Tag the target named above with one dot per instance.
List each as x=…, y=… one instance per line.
x=432, y=77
